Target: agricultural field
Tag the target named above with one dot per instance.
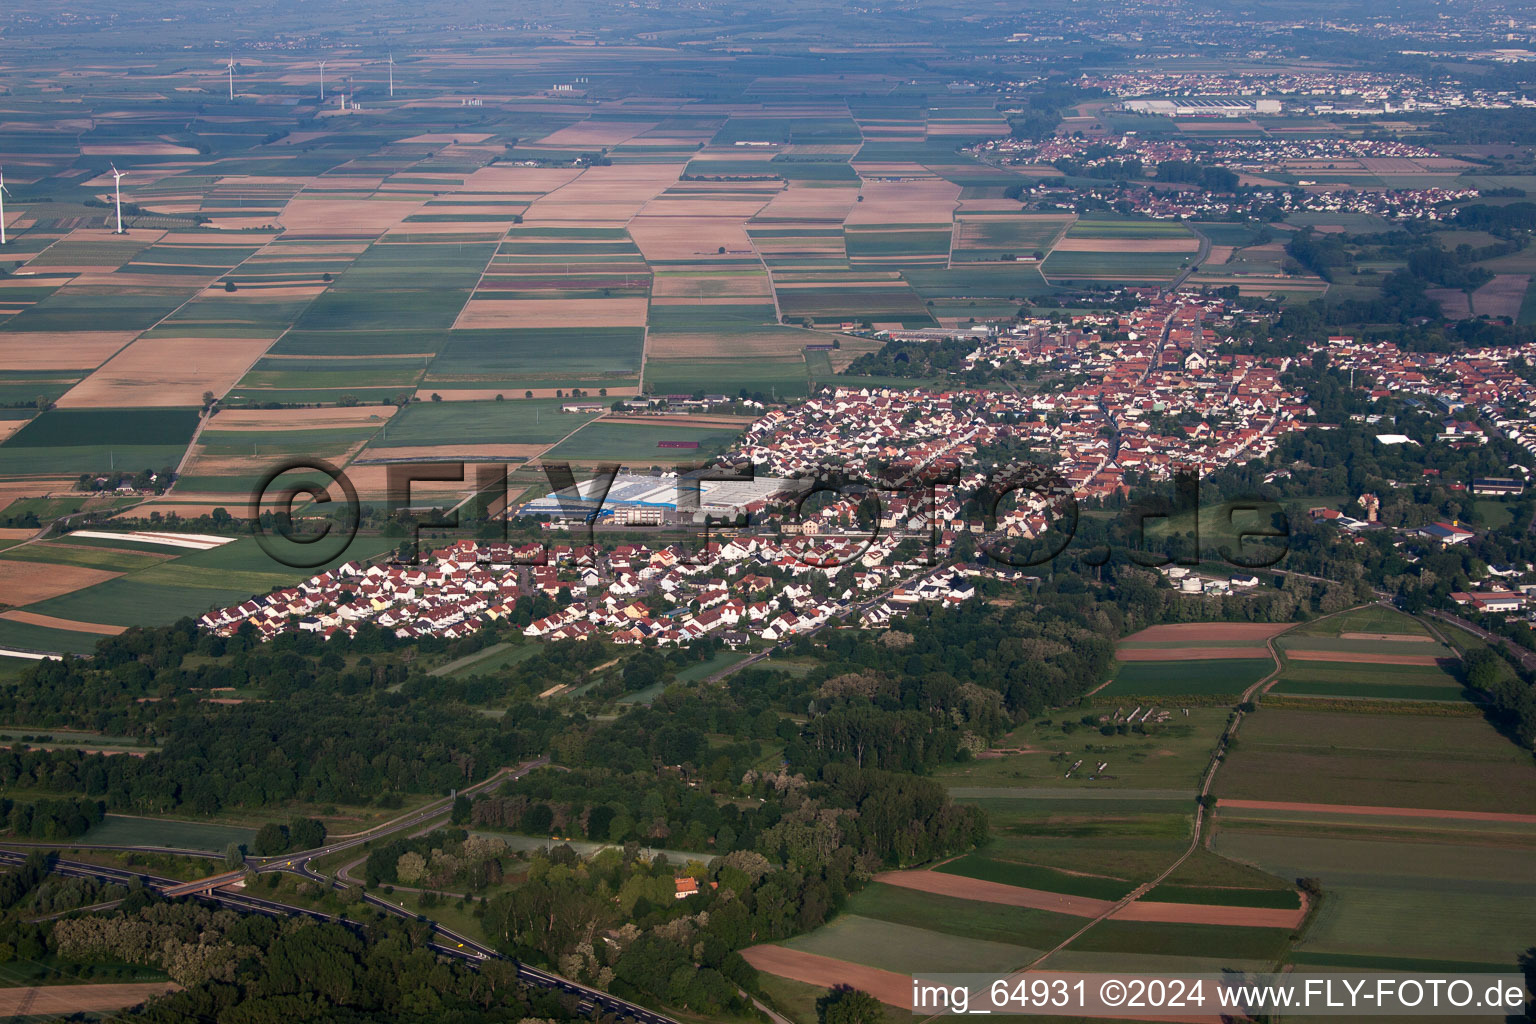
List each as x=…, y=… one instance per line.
x=1380, y=887
x=1434, y=762
x=1197, y=660
x=986, y=237
x=639, y=444
x=1171, y=677
x=397, y=262
x=1125, y=250
x=65, y=595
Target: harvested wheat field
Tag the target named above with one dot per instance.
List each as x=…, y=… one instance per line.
x=373, y=216
x=694, y=237
x=1361, y=658
x=604, y=194
x=896, y=989
x=595, y=134
x=61, y=350
x=620, y=312
x=888, y=203
x=51, y=1000
x=165, y=372
x=824, y=972
x=1189, y=653
x=524, y=181
x=25, y=582
x=961, y=887
x=34, y=619
x=1503, y=296
x=697, y=286
x=817, y=205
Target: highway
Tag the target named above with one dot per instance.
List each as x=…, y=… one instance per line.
x=420, y=816
x=446, y=940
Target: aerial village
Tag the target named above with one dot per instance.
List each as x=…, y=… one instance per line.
x=796, y=567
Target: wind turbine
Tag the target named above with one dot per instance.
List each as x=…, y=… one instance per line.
x=322, y=81
x=231, y=76
x=117, y=187
x=391, y=76
x=3, y=194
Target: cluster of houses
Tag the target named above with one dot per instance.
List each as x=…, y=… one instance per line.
x=1183, y=202
x=1323, y=92
x=1487, y=382
x=767, y=587
x=1150, y=392
x=1173, y=200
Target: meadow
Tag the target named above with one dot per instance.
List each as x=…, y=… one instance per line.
x=1170, y=756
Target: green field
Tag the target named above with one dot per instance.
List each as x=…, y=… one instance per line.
x=1381, y=682
x=534, y=355
x=907, y=949
x=28, y=637
x=1388, y=760
x=1126, y=266
x=993, y=237
x=121, y=830
x=1039, y=929
x=68, y=428
x=781, y=378
x=93, y=558
x=1380, y=892
x=638, y=443
x=514, y=421
x=1217, y=677
x=1372, y=618
x=1036, y=876
x=1195, y=940
x=191, y=584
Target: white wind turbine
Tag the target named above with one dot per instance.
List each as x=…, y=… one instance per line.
x=391, y=76
x=231, y=76
x=322, y=81
x=117, y=186
x=3, y=194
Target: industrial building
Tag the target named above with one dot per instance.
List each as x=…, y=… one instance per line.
x=653, y=499
x=1203, y=107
